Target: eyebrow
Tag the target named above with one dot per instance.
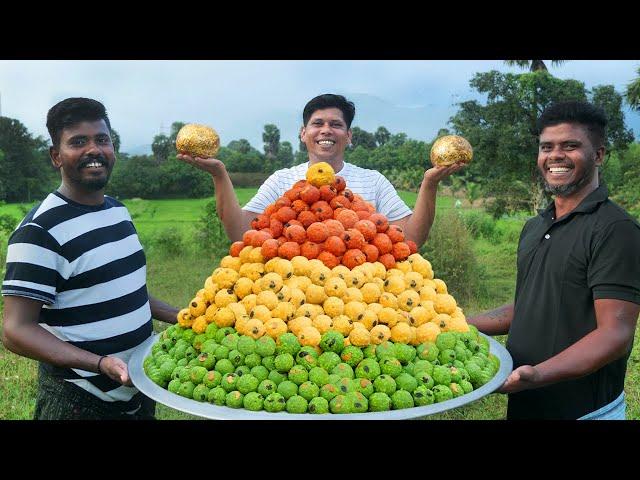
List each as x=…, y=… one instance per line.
x=315, y=119
x=547, y=142
x=77, y=137
x=80, y=135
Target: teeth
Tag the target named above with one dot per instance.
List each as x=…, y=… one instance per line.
x=326, y=142
x=558, y=170
x=94, y=164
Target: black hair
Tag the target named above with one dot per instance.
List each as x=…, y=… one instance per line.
x=72, y=111
x=586, y=114
x=329, y=100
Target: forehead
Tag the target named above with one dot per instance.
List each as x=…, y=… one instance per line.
x=564, y=131
x=86, y=128
x=327, y=114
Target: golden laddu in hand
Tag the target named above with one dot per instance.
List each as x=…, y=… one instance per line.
x=451, y=149
x=198, y=141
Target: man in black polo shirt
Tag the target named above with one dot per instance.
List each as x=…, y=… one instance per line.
x=577, y=297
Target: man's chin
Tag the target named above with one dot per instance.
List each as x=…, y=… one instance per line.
x=561, y=190
x=568, y=189
x=327, y=156
x=96, y=184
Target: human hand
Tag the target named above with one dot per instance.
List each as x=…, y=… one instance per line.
x=434, y=175
x=116, y=369
x=210, y=165
x=522, y=378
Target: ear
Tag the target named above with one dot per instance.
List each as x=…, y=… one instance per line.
x=303, y=132
x=600, y=155
x=54, y=154
x=349, y=135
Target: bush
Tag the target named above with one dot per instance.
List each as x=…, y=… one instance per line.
x=248, y=179
x=169, y=241
x=627, y=193
x=139, y=208
x=450, y=252
x=479, y=224
x=507, y=231
x=506, y=197
x=405, y=179
x=210, y=233
x=8, y=223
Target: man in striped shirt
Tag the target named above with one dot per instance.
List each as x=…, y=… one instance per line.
x=75, y=288
x=326, y=132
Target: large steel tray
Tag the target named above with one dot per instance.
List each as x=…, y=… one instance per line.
x=207, y=410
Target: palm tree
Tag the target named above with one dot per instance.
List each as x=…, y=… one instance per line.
x=271, y=139
x=533, y=65
x=633, y=93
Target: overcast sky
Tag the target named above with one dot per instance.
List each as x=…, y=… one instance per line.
x=238, y=98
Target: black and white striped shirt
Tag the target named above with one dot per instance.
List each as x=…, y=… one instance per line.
x=369, y=184
x=87, y=265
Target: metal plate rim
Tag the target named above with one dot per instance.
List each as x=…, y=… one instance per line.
x=215, y=412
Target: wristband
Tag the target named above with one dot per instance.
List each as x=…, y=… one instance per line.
x=99, y=362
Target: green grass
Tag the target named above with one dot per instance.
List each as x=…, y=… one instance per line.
x=632, y=380
x=17, y=386
x=152, y=216
x=497, y=262
x=175, y=279
x=18, y=210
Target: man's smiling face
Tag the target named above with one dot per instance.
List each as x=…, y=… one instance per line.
x=567, y=159
x=85, y=155
x=326, y=135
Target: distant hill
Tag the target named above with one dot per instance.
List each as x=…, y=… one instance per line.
x=139, y=150
x=418, y=122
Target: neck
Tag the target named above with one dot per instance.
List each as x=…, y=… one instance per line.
x=336, y=163
x=82, y=196
x=565, y=205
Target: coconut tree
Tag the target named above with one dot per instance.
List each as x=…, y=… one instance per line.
x=533, y=65
x=382, y=136
x=271, y=139
x=633, y=93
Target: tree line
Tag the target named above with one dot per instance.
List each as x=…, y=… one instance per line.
x=501, y=129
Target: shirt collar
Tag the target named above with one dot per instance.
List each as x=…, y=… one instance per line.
x=588, y=204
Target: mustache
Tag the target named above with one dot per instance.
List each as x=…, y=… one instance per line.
x=558, y=164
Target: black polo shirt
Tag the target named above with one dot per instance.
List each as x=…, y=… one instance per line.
x=564, y=265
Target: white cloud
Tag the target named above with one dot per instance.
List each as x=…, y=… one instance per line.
x=239, y=97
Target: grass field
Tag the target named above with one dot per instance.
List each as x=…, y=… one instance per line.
x=176, y=278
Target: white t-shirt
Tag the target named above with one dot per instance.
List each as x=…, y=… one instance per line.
x=371, y=185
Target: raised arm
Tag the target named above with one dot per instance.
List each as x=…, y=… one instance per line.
x=235, y=220
x=22, y=334
x=417, y=225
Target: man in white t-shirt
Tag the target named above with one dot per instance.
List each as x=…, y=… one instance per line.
x=326, y=132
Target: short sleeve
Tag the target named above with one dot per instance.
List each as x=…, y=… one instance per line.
x=33, y=264
x=267, y=194
x=388, y=202
x=614, y=270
